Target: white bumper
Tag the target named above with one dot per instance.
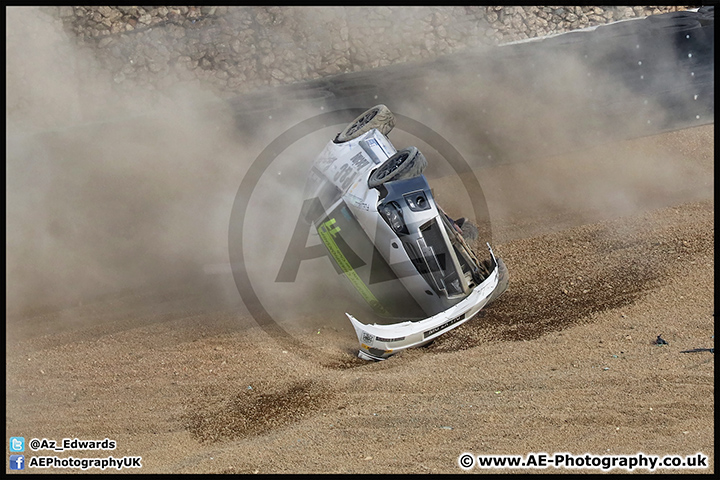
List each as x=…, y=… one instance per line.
x=378, y=342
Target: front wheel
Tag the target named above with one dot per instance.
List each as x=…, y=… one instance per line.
x=379, y=117
x=404, y=164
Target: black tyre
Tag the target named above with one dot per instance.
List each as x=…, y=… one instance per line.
x=406, y=163
x=379, y=117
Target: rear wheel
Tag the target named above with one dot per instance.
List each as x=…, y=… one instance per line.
x=406, y=163
x=379, y=117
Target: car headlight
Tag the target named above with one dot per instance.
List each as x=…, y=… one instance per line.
x=392, y=213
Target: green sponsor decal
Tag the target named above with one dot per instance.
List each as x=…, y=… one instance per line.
x=327, y=232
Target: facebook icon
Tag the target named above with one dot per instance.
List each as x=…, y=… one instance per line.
x=17, y=462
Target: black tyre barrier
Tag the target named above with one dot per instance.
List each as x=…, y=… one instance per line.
x=645, y=30
x=569, y=38
x=661, y=76
x=251, y=111
x=672, y=25
x=346, y=86
x=405, y=78
x=312, y=93
x=682, y=108
x=706, y=10
x=671, y=44
x=683, y=30
x=681, y=83
x=576, y=43
x=615, y=46
x=461, y=63
x=516, y=62
x=665, y=83
x=624, y=28
x=358, y=95
x=672, y=16
x=250, y=108
x=254, y=102
x=353, y=78
x=667, y=105
x=706, y=15
x=684, y=49
x=710, y=39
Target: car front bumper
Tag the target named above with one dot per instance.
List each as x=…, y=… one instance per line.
x=378, y=342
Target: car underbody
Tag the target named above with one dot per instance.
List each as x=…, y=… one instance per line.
x=373, y=209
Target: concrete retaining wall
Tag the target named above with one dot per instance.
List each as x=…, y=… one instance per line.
x=147, y=51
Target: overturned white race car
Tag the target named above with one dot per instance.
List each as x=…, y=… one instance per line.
x=367, y=200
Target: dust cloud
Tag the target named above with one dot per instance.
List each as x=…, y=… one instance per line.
x=548, y=133
x=141, y=198
x=114, y=192
x=130, y=201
